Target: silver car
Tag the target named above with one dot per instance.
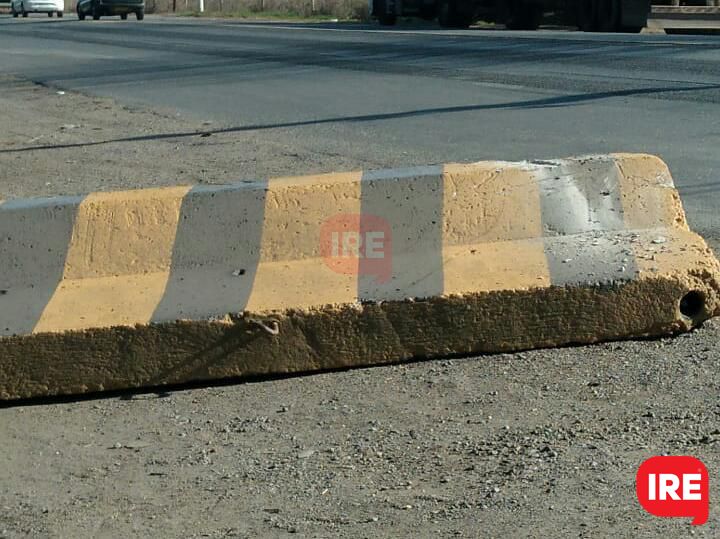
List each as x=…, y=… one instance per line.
x=23, y=7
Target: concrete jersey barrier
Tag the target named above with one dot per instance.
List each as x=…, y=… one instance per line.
x=162, y=286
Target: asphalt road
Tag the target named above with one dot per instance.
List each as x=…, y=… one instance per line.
x=406, y=96
x=538, y=444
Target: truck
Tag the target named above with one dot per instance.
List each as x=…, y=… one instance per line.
x=588, y=15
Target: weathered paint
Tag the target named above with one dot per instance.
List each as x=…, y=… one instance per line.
x=159, y=286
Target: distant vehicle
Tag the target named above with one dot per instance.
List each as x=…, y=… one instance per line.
x=23, y=7
x=589, y=15
x=103, y=8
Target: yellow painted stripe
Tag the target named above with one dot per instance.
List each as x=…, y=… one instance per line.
x=296, y=208
x=486, y=202
x=668, y=251
x=300, y=284
x=292, y=272
x=483, y=202
x=118, y=260
x=503, y=265
x=648, y=197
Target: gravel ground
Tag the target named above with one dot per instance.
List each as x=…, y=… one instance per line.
x=67, y=143
x=538, y=444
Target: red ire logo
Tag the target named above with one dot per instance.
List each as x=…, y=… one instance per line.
x=674, y=487
x=357, y=244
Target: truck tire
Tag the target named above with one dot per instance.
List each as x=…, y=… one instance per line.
x=632, y=29
x=382, y=13
x=427, y=12
x=634, y=15
x=609, y=15
x=444, y=13
x=587, y=15
x=450, y=17
x=523, y=15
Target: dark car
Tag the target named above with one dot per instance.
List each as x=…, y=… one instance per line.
x=100, y=8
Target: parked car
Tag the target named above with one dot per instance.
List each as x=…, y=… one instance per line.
x=102, y=8
x=23, y=7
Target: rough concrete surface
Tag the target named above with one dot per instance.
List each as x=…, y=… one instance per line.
x=485, y=257
x=534, y=444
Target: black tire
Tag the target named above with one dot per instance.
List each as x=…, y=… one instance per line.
x=140, y=15
x=524, y=16
x=427, y=12
x=22, y=10
x=380, y=11
x=96, y=12
x=587, y=15
x=80, y=13
x=123, y=16
x=463, y=21
x=13, y=12
x=444, y=13
x=60, y=14
x=450, y=17
x=609, y=15
x=50, y=14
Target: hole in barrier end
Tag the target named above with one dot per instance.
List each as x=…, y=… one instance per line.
x=692, y=304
